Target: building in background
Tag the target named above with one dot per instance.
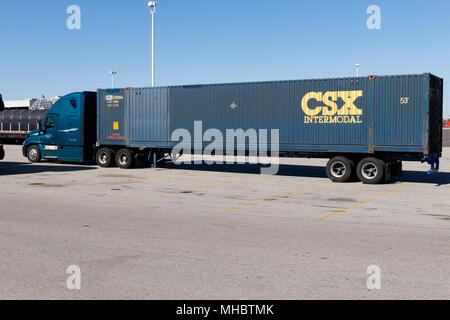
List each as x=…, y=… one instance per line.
x=31, y=104
x=19, y=104
x=41, y=104
x=54, y=99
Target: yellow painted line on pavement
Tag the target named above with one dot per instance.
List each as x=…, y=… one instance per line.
x=276, y=198
x=207, y=186
x=365, y=201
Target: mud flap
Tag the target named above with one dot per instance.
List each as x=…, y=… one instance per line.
x=388, y=172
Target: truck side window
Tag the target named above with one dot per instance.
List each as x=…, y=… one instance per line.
x=73, y=103
x=50, y=122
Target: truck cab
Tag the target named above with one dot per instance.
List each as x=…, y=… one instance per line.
x=68, y=132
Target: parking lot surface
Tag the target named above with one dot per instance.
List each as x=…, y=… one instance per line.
x=220, y=232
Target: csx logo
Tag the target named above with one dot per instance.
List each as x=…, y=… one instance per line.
x=330, y=112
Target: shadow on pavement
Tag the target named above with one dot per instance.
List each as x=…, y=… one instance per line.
x=284, y=170
x=15, y=168
x=441, y=178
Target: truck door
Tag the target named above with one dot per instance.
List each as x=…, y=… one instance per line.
x=70, y=127
x=50, y=149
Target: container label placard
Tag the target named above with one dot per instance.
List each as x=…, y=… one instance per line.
x=113, y=101
x=330, y=112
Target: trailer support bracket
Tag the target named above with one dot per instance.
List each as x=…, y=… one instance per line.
x=433, y=160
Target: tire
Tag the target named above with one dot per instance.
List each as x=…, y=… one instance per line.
x=34, y=154
x=105, y=158
x=340, y=169
x=124, y=159
x=371, y=170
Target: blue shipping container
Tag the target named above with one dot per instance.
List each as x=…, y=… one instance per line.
x=347, y=115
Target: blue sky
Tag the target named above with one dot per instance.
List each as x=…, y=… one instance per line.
x=209, y=41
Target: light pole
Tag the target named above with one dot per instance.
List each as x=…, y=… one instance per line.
x=357, y=69
x=112, y=73
x=152, y=6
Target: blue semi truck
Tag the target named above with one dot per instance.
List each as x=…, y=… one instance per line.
x=366, y=126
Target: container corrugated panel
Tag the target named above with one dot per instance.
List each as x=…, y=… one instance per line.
x=148, y=115
x=368, y=114
x=112, y=116
x=399, y=111
x=269, y=105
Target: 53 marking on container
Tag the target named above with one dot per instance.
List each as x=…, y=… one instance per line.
x=404, y=100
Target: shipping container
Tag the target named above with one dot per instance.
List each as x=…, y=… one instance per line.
x=365, y=125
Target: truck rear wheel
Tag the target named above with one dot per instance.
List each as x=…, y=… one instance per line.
x=371, y=170
x=340, y=169
x=34, y=154
x=105, y=157
x=124, y=158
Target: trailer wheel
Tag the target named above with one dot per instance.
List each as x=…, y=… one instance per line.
x=371, y=170
x=34, y=154
x=124, y=158
x=339, y=169
x=105, y=157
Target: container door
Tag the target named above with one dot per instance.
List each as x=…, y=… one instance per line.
x=112, y=119
x=398, y=106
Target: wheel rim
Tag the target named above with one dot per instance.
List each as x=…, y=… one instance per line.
x=103, y=158
x=123, y=159
x=33, y=154
x=338, y=169
x=369, y=171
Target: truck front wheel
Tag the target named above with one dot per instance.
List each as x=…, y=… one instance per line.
x=124, y=158
x=371, y=170
x=105, y=157
x=340, y=169
x=34, y=154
